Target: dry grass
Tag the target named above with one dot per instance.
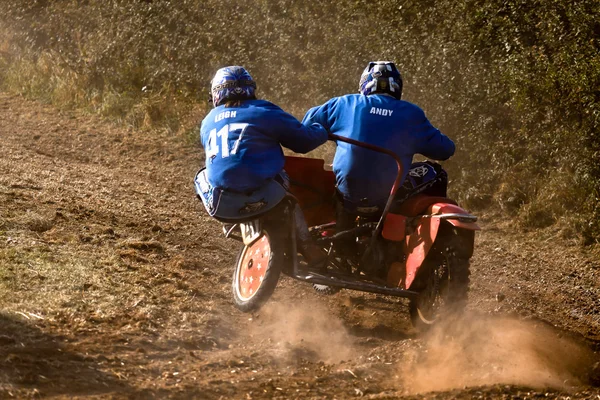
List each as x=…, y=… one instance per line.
x=144, y=245
x=36, y=222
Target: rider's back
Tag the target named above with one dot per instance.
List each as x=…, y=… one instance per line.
x=380, y=120
x=243, y=143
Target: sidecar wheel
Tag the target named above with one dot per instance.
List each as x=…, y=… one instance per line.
x=444, y=293
x=257, y=271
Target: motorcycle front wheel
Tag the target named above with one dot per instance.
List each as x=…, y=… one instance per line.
x=257, y=270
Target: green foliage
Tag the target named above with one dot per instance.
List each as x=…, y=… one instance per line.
x=513, y=82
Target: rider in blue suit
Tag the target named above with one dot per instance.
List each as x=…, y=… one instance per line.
x=242, y=139
x=377, y=116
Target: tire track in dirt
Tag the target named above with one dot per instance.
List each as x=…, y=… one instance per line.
x=102, y=238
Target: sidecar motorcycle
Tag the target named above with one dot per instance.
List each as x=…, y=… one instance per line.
x=418, y=248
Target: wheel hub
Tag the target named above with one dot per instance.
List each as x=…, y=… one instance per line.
x=253, y=267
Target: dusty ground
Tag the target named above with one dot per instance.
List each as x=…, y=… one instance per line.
x=115, y=284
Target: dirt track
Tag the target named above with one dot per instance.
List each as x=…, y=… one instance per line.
x=114, y=283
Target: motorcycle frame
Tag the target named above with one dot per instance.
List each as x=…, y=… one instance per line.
x=337, y=280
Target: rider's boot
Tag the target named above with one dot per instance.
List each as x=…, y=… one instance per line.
x=313, y=255
x=345, y=248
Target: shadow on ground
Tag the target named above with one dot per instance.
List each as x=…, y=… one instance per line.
x=35, y=363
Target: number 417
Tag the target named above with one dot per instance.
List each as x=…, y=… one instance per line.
x=213, y=148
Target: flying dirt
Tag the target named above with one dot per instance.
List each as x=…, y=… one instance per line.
x=114, y=283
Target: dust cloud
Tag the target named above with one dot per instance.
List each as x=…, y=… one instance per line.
x=477, y=351
x=304, y=330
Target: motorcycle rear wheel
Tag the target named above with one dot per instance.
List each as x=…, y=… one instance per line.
x=445, y=291
x=257, y=270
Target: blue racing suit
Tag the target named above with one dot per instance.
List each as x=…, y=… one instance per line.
x=243, y=156
x=365, y=177
x=243, y=143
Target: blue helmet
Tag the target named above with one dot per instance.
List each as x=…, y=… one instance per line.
x=381, y=77
x=232, y=83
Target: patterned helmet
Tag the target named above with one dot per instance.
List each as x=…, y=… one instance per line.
x=232, y=83
x=381, y=77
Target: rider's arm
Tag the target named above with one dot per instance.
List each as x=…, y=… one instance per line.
x=295, y=136
x=315, y=116
x=428, y=140
x=321, y=115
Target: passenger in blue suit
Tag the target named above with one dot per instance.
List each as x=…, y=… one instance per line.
x=242, y=138
x=378, y=116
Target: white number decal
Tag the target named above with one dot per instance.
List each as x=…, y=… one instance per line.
x=236, y=127
x=212, y=147
x=224, y=134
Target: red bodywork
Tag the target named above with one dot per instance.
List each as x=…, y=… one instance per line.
x=419, y=242
x=314, y=188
